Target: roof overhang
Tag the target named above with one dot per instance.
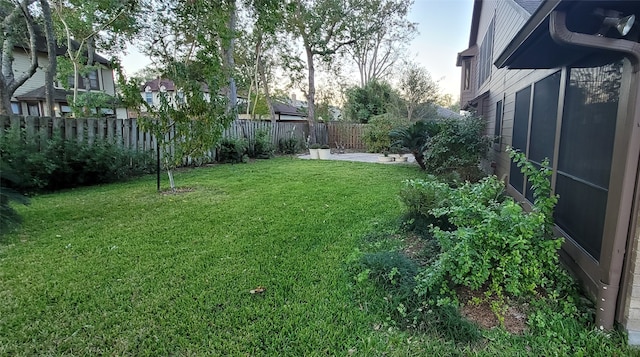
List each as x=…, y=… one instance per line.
x=534, y=46
x=469, y=52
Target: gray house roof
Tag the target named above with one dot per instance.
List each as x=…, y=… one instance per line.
x=38, y=94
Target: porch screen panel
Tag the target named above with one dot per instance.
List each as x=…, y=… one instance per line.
x=520, y=133
x=544, y=118
x=586, y=149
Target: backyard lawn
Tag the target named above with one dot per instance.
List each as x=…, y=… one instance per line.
x=123, y=270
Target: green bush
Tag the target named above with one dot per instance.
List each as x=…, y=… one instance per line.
x=458, y=146
x=232, y=150
x=376, y=134
x=62, y=163
x=289, y=146
x=261, y=147
x=9, y=217
x=495, y=244
x=422, y=196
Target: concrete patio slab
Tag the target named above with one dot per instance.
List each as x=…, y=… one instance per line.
x=360, y=157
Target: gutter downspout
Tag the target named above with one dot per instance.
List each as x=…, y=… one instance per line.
x=610, y=280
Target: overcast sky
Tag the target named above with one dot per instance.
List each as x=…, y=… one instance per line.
x=443, y=27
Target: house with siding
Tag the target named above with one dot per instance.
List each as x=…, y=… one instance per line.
x=29, y=99
x=560, y=80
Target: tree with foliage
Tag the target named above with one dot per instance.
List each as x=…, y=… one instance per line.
x=85, y=26
x=373, y=99
x=417, y=90
x=376, y=54
x=189, y=41
x=324, y=27
x=18, y=30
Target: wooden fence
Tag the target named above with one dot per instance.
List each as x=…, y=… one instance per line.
x=127, y=133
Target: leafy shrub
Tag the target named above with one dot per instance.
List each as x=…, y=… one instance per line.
x=289, y=146
x=9, y=217
x=495, y=244
x=458, y=145
x=376, y=133
x=420, y=197
x=62, y=163
x=232, y=150
x=261, y=146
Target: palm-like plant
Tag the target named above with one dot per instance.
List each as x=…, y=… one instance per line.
x=415, y=139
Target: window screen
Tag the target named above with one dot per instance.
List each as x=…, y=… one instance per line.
x=544, y=118
x=520, y=133
x=486, y=55
x=586, y=148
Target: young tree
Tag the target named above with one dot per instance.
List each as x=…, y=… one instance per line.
x=16, y=18
x=189, y=41
x=373, y=99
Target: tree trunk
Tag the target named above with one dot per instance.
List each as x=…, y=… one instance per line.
x=5, y=102
x=51, y=70
x=420, y=159
x=265, y=88
x=172, y=183
x=228, y=55
x=311, y=97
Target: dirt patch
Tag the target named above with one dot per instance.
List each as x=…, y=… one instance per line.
x=413, y=246
x=177, y=191
x=477, y=308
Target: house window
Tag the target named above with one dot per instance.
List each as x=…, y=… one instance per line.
x=65, y=109
x=497, y=131
x=33, y=109
x=91, y=76
x=148, y=97
x=16, y=108
x=180, y=97
x=486, y=55
x=585, y=153
x=467, y=75
x=520, y=134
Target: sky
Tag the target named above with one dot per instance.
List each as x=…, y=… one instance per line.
x=443, y=27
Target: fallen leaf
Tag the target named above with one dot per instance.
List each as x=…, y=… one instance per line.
x=258, y=290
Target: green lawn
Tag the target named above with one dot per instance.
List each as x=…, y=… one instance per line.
x=123, y=270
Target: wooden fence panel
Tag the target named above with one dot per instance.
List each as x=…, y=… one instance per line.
x=127, y=133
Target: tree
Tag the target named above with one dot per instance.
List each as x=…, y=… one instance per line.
x=17, y=18
x=376, y=54
x=189, y=41
x=371, y=100
x=85, y=26
x=417, y=90
x=325, y=27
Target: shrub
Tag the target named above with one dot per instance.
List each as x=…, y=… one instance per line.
x=232, y=150
x=261, y=147
x=495, y=244
x=62, y=163
x=376, y=133
x=458, y=145
x=9, y=217
x=420, y=197
x=289, y=146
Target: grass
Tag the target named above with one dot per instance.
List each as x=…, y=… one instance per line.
x=122, y=270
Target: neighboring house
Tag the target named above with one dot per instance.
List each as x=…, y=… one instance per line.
x=446, y=113
x=555, y=80
x=29, y=99
x=151, y=92
x=288, y=112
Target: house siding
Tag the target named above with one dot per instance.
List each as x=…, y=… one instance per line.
x=503, y=84
x=21, y=65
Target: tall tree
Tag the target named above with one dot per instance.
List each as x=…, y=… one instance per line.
x=52, y=55
x=16, y=17
x=417, y=90
x=390, y=31
x=324, y=27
